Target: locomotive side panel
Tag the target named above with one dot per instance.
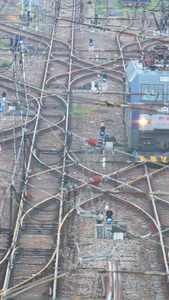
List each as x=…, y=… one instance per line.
x=147, y=87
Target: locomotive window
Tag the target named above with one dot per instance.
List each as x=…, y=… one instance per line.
x=152, y=92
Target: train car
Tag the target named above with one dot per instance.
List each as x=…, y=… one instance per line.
x=134, y=3
x=146, y=86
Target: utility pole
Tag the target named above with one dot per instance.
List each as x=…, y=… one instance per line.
x=22, y=9
x=23, y=71
x=95, y=7
x=24, y=4
x=143, y=20
x=15, y=77
x=30, y=5
x=10, y=217
x=17, y=46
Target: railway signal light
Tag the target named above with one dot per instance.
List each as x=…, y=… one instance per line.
x=102, y=129
x=109, y=214
x=104, y=78
x=91, y=42
x=11, y=42
x=3, y=96
x=28, y=15
x=96, y=16
x=21, y=40
x=16, y=40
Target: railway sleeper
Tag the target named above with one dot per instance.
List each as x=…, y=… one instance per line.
x=46, y=229
x=36, y=251
x=39, y=231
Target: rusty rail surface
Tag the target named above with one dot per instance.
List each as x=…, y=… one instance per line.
x=111, y=284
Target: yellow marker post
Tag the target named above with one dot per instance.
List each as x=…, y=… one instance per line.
x=163, y=158
x=153, y=158
x=142, y=158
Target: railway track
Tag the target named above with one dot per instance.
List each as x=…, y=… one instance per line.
x=111, y=286
x=57, y=179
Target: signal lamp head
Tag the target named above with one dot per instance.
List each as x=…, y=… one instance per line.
x=144, y=122
x=102, y=130
x=3, y=96
x=109, y=220
x=104, y=79
x=109, y=217
x=91, y=42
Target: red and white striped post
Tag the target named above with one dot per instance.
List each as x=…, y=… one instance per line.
x=106, y=206
x=102, y=123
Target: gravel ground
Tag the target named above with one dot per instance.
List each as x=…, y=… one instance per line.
x=133, y=254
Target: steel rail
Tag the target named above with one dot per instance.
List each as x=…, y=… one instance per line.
x=85, y=68
x=138, y=37
x=19, y=215
x=31, y=132
x=65, y=153
x=122, y=184
x=110, y=281
x=114, y=276
x=20, y=126
x=73, y=209
x=28, y=166
x=65, y=218
x=118, y=42
x=122, y=199
x=37, y=205
x=15, y=166
x=118, y=281
x=158, y=222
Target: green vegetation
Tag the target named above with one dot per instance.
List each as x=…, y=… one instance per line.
x=78, y=146
x=4, y=39
x=81, y=147
x=153, y=3
x=59, y=112
x=81, y=111
x=5, y=63
x=4, y=47
x=116, y=132
x=20, y=107
x=121, y=149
